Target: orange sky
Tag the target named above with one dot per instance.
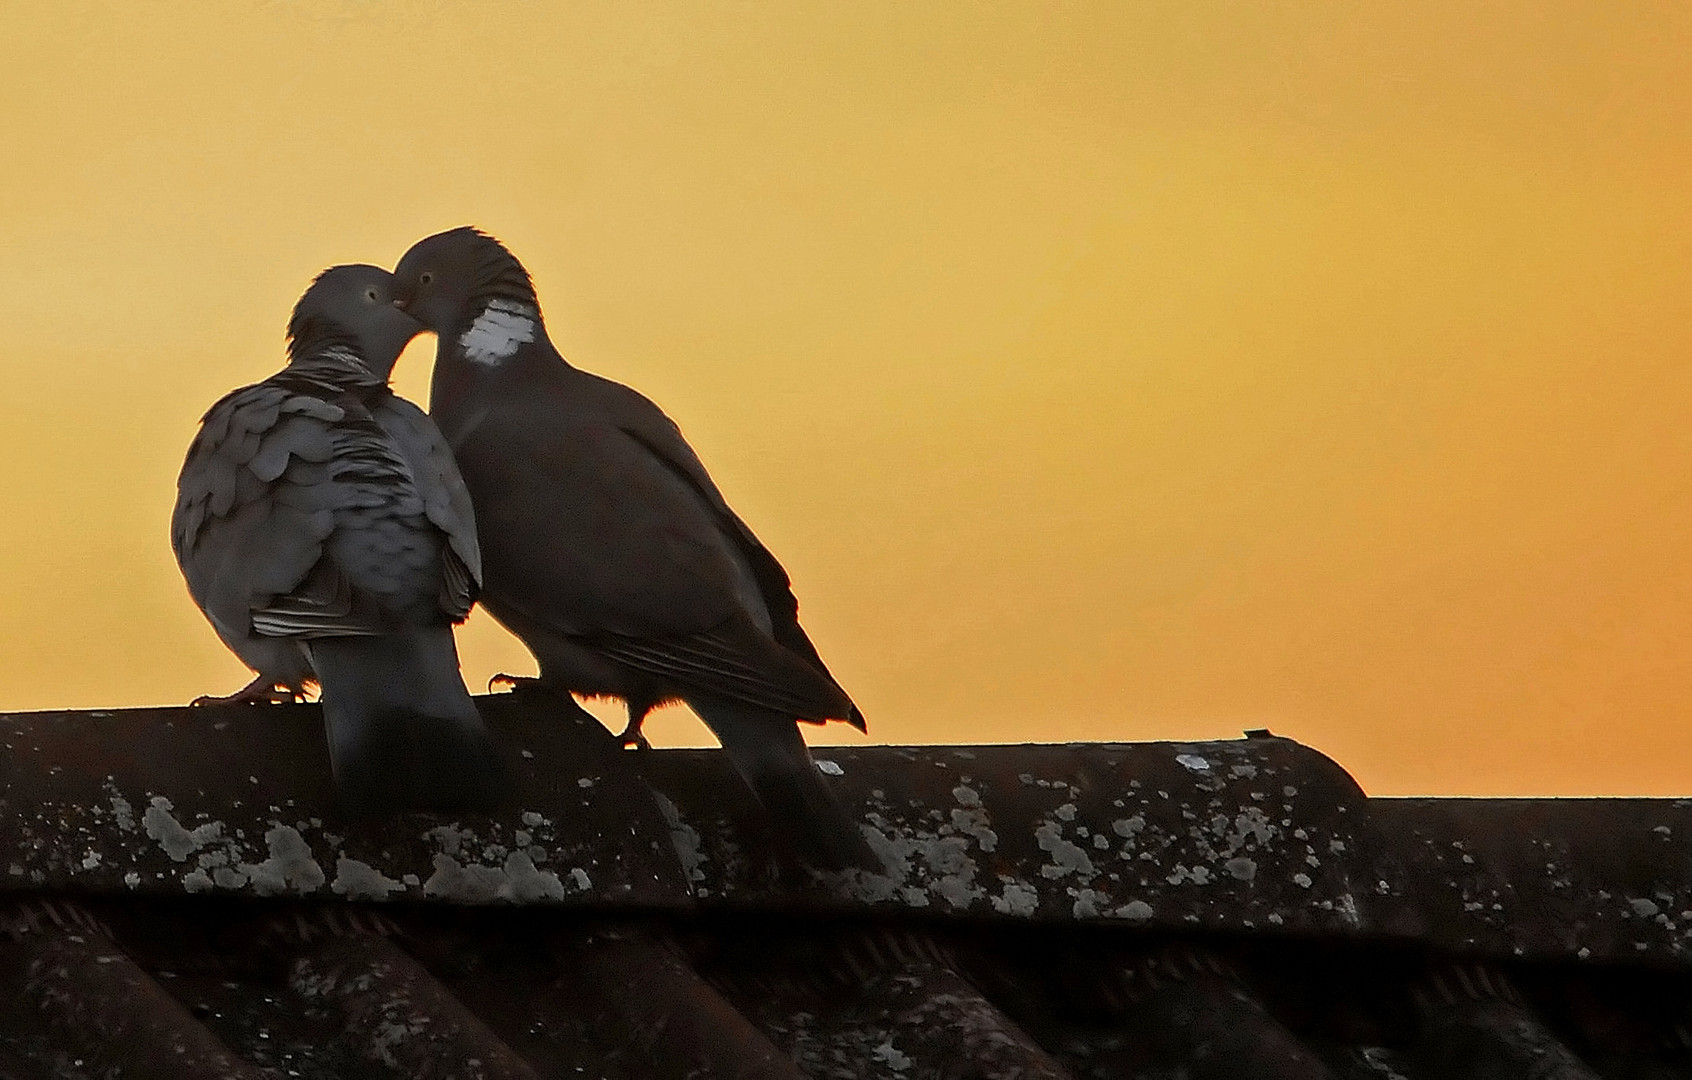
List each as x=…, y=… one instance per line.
x=1100, y=371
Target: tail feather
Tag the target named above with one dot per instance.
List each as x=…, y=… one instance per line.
x=403, y=732
x=770, y=755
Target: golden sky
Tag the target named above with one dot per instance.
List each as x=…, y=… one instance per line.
x=1099, y=370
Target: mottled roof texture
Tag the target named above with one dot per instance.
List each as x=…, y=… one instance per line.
x=180, y=901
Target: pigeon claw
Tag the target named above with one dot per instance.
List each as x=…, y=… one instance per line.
x=260, y=691
x=631, y=738
x=515, y=682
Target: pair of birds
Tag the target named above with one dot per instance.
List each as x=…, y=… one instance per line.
x=333, y=532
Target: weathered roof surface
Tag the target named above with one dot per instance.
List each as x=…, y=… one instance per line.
x=237, y=801
x=179, y=898
x=1239, y=834
x=1603, y=879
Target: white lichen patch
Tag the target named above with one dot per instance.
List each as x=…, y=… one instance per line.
x=1251, y=824
x=1088, y=902
x=290, y=866
x=891, y=1056
x=1158, y=842
x=970, y=819
x=1128, y=827
x=452, y=880
x=923, y=866
x=516, y=879
x=1016, y=898
x=279, y=859
x=830, y=768
x=450, y=839
x=1134, y=910
x=360, y=881
x=502, y=874
x=929, y=858
x=1346, y=908
x=221, y=861
x=177, y=841
x=1067, y=856
x=1198, y=875
x=123, y=813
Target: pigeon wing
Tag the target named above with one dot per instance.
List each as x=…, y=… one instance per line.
x=615, y=549
x=255, y=506
x=446, y=501
x=646, y=423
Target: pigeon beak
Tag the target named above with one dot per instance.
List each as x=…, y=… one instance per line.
x=402, y=303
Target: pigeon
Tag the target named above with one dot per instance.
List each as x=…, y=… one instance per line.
x=609, y=550
x=326, y=534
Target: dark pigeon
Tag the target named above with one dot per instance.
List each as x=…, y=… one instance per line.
x=324, y=530
x=609, y=550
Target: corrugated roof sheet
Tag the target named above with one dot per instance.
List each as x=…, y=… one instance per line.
x=179, y=899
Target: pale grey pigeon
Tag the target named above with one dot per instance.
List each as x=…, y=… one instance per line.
x=325, y=531
x=609, y=550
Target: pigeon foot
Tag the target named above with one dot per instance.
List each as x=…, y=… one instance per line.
x=260, y=691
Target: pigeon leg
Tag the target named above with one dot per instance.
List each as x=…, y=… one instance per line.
x=638, y=704
x=630, y=737
x=261, y=691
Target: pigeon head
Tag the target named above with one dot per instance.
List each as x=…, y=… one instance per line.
x=450, y=280
x=352, y=308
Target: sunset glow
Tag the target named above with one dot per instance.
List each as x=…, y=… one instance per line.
x=1099, y=371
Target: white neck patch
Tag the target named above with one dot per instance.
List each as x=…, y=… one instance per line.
x=498, y=331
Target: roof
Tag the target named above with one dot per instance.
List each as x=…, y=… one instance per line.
x=179, y=897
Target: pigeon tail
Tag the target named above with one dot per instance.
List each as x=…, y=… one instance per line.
x=403, y=732
x=767, y=750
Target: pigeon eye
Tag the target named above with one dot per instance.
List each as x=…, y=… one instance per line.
x=370, y=295
x=425, y=277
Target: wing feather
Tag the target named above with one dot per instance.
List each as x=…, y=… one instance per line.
x=648, y=425
x=445, y=500
x=239, y=546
